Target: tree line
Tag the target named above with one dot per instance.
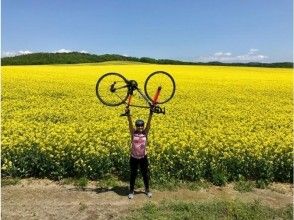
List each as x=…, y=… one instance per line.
x=77, y=57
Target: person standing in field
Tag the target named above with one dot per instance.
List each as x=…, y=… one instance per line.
x=138, y=150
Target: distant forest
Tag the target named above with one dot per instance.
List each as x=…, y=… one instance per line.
x=76, y=57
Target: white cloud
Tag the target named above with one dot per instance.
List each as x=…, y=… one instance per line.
x=69, y=51
x=21, y=52
x=14, y=53
x=251, y=56
x=63, y=51
x=8, y=54
x=253, y=51
x=217, y=54
x=221, y=54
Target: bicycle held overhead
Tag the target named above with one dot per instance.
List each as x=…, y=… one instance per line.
x=113, y=89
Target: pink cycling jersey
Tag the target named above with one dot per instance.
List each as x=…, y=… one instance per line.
x=139, y=144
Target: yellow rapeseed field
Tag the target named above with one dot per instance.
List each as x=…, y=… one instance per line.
x=222, y=124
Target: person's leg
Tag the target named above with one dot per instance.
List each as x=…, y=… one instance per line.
x=145, y=172
x=134, y=168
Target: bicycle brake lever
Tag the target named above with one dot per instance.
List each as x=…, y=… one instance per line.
x=127, y=113
x=159, y=110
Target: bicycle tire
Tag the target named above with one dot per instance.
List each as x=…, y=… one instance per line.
x=170, y=92
x=111, y=98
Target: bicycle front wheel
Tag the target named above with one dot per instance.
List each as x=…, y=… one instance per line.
x=112, y=89
x=162, y=80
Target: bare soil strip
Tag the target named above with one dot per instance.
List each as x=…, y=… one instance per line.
x=45, y=199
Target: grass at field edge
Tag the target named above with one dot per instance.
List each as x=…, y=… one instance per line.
x=210, y=210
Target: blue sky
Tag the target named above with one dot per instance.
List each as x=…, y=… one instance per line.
x=192, y=30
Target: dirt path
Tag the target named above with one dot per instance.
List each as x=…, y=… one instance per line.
x=44, y=199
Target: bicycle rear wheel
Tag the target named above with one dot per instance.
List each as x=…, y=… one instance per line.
x=112, y=89
x=166, y=83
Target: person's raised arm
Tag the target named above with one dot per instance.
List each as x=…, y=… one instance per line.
x=148, y=125
x=131, y=127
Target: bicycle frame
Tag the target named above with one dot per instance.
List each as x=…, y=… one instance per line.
x=132, y=86
x=153, y=103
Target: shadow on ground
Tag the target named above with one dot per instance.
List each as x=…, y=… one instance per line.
x=119, y=190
